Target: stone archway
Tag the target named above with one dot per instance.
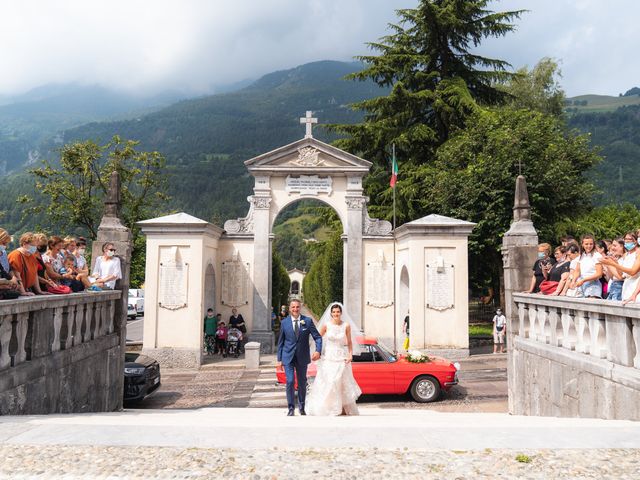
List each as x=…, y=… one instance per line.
x=306, y=169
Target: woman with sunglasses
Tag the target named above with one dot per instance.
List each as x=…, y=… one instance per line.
x=106, y=269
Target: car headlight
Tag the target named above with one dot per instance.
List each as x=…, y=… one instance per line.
x=134, y=370
x=457, y=366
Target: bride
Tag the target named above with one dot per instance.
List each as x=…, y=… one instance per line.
x=335, y=391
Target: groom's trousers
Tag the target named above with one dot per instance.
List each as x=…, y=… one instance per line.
x=291, y=370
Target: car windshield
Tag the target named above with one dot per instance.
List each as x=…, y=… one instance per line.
x=387, y=351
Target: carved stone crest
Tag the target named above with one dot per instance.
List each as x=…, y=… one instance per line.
x=376, y=227
x=355, y=203
x=308, y=157
x=243, y=224
x=261, y=203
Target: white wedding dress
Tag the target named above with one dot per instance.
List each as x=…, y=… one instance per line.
x=334, y=389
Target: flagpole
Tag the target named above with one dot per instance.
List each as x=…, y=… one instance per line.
x=395, y=280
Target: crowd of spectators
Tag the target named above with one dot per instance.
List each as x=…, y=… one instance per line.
x=606, y=269
x=43, y=265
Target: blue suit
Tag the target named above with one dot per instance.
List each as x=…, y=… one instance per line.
x=295, y=356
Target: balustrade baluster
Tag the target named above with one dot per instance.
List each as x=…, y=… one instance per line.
x=88, y=319
x=533, y=315
x=568, y=329
x=71, y=316
x=522, y=313
x=582, y=332
x=57, y=325
x=553, y=327
x=6, y=330
x=597, y=329
x=79, y=316
x=636, y=341
x=22, y=324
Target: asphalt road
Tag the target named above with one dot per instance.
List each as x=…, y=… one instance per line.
x=134, y=329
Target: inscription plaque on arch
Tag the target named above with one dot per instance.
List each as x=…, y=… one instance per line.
x=379, y=283
x=235, y=283
x=173, y=280
x=440, y=286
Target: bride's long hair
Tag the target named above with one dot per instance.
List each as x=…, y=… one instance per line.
x=325, y=319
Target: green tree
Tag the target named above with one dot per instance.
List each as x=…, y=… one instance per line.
x=74, y=188
x=537, y=89
x=436, y=80
x=610, y=221
x=323, y=284
x=474, y=173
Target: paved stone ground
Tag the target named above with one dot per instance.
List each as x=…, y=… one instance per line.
x=225, y=383
x=91, y=462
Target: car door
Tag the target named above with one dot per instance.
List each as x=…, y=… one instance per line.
x=382, y=371
x=362, y=369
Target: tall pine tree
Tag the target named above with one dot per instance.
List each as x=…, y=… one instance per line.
x=436, y=80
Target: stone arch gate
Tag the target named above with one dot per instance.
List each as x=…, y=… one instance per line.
x=181, y=250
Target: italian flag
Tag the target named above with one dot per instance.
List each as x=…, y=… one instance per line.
x=394, y=171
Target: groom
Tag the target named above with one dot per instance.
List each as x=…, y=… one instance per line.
x=293, y=352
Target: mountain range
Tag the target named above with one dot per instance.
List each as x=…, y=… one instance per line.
x=206, y=139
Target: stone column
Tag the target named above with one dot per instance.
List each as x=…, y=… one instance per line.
x=112, y=230
x=353, y=268
x=261, y=331
x=519, y=250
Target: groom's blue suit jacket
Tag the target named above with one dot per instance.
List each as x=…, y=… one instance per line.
x=290, y=347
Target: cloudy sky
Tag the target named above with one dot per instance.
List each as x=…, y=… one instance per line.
x=194, y=45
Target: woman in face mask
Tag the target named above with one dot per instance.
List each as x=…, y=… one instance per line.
x=8, y=280
x=43, y=277
x=541, y=267
x=81, y=261
x=629, y=267
x=106, y=270
x=614, y=277
x=23, y=262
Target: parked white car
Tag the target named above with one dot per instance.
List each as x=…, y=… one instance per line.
x=136, y=297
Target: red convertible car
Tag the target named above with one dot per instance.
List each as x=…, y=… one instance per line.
x=378, y=371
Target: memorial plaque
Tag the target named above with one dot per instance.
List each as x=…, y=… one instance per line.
x=440, y=286
x=379, y=283
x=173, y=283
x=309, y=184
x=235, y=283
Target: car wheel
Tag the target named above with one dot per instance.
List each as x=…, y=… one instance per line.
x=425, y=389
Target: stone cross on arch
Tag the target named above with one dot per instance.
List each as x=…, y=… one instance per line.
x=309, y=121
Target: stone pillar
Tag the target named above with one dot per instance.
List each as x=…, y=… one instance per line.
x=261, y=321
x=519, y=250
x=112, y=230
x=353, y=264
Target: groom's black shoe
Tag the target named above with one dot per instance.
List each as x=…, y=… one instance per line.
x=302, y=412
x=291, y=412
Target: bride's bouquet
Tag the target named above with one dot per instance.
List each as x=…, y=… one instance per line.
x=414, y=356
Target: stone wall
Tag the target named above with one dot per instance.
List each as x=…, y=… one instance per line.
x=575, y=358
x=61, y=354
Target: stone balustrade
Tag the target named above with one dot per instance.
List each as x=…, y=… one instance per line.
x=574, y=357
x=600, y=328
x=59, y=353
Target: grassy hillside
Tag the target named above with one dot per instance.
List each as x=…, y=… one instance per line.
x=599, y=103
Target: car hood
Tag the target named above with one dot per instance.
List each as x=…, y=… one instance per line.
x=131, y=359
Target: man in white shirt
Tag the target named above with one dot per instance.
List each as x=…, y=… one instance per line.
x=499, y=329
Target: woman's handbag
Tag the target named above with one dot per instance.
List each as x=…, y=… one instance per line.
x=59, y=289
x=548, y=287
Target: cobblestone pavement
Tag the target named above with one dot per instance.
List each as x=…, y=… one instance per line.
x=91, y=462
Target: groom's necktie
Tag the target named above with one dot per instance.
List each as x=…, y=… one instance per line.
x=295, y=326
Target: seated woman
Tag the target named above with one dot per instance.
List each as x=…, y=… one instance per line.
x=8, y=280
x=541, y=267
x=106, y=269
x=23, y=262
x=613, y=276
x=558, y=274
x=629, y=267
x=53, y=261
x=588, y=271
x=43, y=277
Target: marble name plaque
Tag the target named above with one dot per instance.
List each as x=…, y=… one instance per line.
x=235, y=283
x=172, y=291
x=309, y=185
x=379, y=283
x=440, y=286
